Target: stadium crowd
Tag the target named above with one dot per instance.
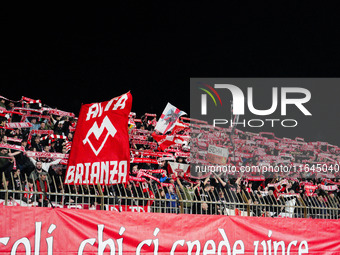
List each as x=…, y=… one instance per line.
x=35, y=141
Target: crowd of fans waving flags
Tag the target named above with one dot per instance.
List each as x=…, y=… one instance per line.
x=166, y=149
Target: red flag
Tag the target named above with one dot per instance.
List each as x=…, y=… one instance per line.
x=164, y=141
x=179, y=126
x=100, y=148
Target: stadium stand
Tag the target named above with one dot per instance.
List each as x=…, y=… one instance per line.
x=300, y=178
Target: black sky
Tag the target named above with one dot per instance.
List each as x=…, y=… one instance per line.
x=66, y=57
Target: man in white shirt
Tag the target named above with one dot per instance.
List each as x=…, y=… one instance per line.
x=42, y=165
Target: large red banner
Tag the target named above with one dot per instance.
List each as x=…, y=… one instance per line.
x=100, y=148
x=70, y=231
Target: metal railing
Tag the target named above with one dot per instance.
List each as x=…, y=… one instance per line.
x=152, y=197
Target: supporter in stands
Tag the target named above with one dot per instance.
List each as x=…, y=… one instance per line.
x=187, y=191
x=39, y=168
x=4, y=139
x=160, y=205
x=43, y=165
x=61, y=126
x=43, y=126
x=321, y=211
x=10, y=106
x=172, y=206
x=270, y=197
x=15, y=183
x=35, y=124
x=29, y=196
x=36, y=146
x=7, y=161
x=18, y=134
x=42, y=185
x=23, y=162
x=2, y=103
x=70, y=136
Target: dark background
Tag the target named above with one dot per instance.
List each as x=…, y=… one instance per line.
x=66, y=56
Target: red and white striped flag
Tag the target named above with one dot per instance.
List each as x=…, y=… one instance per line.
x=164, y=141
x=168, y=118
x=179, y=126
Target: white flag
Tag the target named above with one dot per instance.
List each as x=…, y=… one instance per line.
x=168, y=118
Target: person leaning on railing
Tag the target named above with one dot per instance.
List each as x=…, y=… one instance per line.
x=30, y=197
x=15, y=183
x=172, y=205
x=188, y=194
x=42, y=186
x=39, y=169
x=160, y=204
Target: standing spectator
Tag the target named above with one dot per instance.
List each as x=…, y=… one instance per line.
x=4, y=139
x=188, y=193
x=15, y=183
x=44, y=166
x=10, y=106
x=42, y=186
x=58, y=128
x=39, y=166
x=61, y=127
x=172, y=206
x=2, y=103
x=6, y=161
x=36, y=144
x=35, y=125
x=159, y=205
x=47, y=148
x=43, y=126
x=29, y=197
x=321, y=211
x=70, y=137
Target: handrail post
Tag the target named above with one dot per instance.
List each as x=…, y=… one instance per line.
x=6, y=187
x=180, y=200
x=100, y=191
